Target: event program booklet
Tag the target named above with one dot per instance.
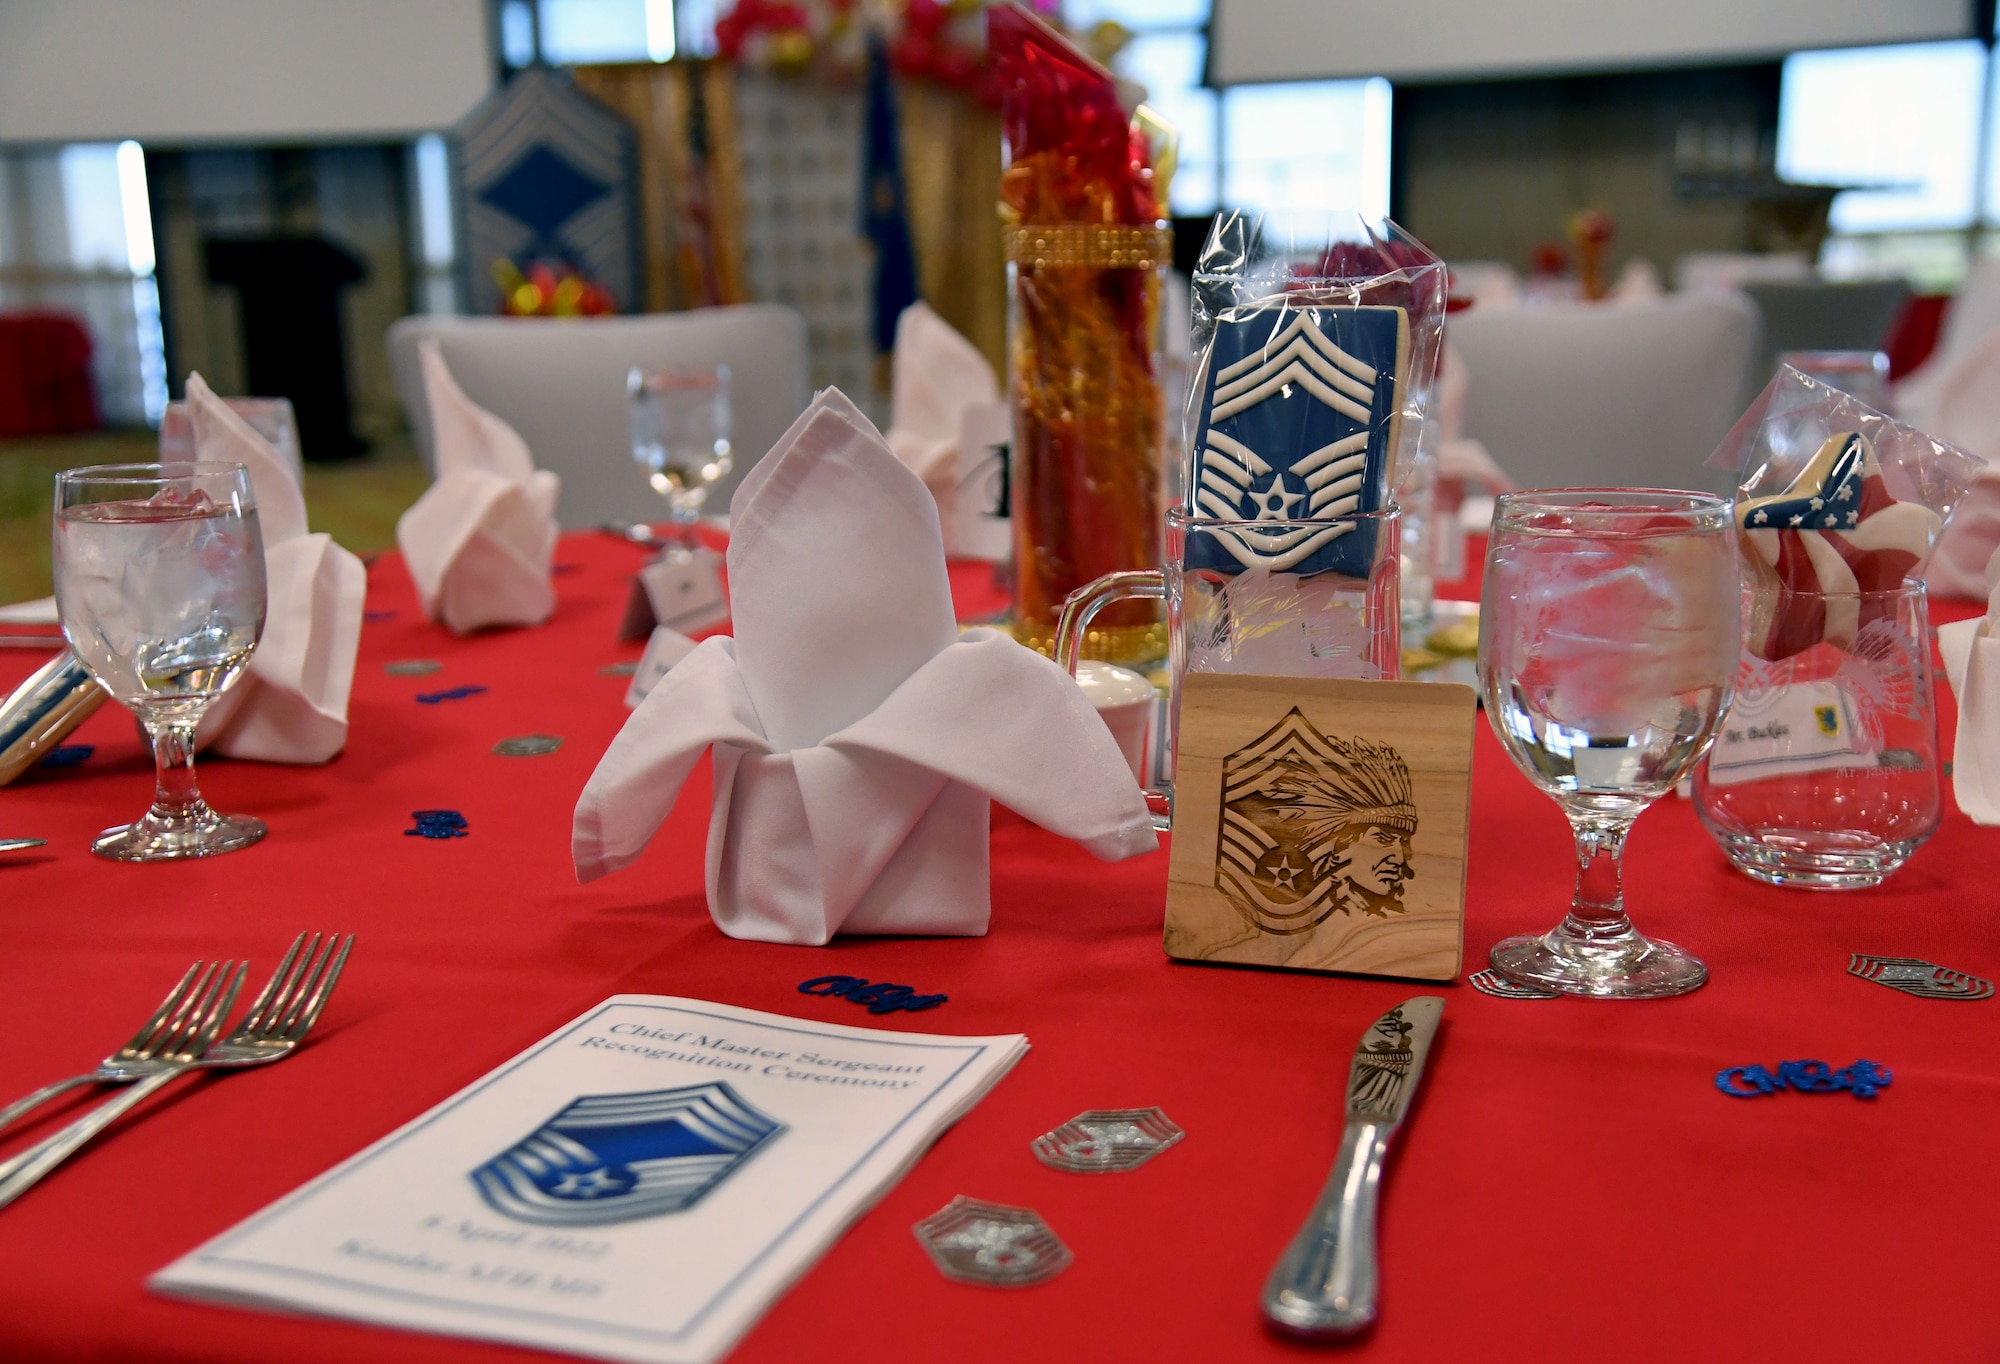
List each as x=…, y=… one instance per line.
x=641, y=1185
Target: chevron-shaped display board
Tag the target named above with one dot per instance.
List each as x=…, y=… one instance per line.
x=546, y=174
x=1320, y=824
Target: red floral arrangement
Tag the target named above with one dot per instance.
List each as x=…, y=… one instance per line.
x=549, y=290
x=927, y=40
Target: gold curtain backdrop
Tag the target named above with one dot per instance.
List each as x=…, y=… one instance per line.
x=692, y=204
x=688, y=194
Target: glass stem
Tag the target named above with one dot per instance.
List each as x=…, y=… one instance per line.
x=176, y=797
x=1598, y=910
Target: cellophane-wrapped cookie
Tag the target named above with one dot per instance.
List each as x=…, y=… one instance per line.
x=1835, y=501
x=1316, y=341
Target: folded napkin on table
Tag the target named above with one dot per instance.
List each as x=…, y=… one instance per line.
x=40, y=611
x=480, y=540
x=858, y=735
x=291, y=705
x=937, y=375
x=1965, y=410
x=1971, y=650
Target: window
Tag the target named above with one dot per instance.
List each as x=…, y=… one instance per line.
x=1267, y=148
x=1167, y=53
x=1169, y=66
x=1905, y=118
x=573, y=32
x=1312, y=145
x=85, y=247
x=432, y=235
x=1992, y=151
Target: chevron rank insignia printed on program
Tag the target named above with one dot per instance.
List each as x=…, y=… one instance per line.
x=1299, y=422
x=613, y=1157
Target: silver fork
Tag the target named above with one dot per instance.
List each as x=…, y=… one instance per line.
x=279, y=1019
x=141, y=1056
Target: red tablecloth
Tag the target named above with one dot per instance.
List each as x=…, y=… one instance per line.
x=1571, y=1186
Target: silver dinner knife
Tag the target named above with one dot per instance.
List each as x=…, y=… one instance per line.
x=1324, y=1285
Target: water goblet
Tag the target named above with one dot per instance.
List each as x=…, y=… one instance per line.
x=1608, y=641
x=680, y=436
x=159, y=575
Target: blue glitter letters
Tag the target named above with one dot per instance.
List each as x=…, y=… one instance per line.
x=1863, y=1079
x=880, y=998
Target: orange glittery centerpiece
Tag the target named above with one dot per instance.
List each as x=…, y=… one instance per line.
x=1089, y=413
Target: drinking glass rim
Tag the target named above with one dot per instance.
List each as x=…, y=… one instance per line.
x=1909, y=587
x=1609, y=507
x=1565, y=499
x=138, y=474
x=1187, y=520
x=640, y=379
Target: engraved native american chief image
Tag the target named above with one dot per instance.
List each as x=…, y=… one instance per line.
x=1313, y=826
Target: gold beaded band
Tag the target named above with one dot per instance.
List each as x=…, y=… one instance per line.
x=1091, y=247
x=1129, y=646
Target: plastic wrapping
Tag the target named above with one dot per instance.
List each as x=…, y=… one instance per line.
x=1316, y=341
x=1083, y=196
x=1836, y=503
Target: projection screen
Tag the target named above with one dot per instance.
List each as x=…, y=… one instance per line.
x=195, y=71
x=1419, y=40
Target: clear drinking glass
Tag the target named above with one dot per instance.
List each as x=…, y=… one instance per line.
x=1271, y=598
x=1826, y=774
x=680, y=436
x=271, y=418
x=1863, y=374
x=1608, y=638
x=159, y=573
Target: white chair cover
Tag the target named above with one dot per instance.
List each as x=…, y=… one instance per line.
x=560, y=382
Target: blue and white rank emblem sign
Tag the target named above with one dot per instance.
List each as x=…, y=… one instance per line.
x=1299, y=422
x=615, y=1157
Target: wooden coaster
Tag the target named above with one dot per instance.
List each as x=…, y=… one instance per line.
x=1320, y=824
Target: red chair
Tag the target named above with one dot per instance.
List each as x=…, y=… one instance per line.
x=45, y=386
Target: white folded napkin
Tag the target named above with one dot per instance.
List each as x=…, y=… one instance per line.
x=40, y=611
x=858, y=736
x=480, y=540
x=1971, y=650
x=291, y=706
x=936, y=375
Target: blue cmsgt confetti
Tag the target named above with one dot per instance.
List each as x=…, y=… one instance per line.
x=68, y=755
x=882, y=998
x=437, y=824
x=431, y=698
x=1863, y=1079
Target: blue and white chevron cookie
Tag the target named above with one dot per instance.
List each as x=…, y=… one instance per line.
x=1300, y=417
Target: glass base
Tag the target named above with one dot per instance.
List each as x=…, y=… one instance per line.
x=154, y=839
x=1628, y=965
x=1816, y=859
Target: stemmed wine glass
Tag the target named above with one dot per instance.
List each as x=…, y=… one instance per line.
x=1608, y=639
x=680, y=437
x=159, y=572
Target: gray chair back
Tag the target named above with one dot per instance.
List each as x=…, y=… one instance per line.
x=561, y=383
x=1632, y=394
x=1816, y=315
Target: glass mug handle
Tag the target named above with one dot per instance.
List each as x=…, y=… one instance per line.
x=1079, y=609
